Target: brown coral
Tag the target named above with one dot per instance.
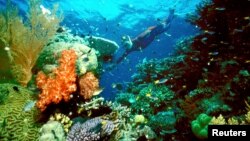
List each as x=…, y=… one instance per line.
x=25, y=40
x=89, y=85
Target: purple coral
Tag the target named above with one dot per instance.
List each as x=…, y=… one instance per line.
x=91, y=130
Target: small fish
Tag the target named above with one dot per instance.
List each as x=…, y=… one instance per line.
x=161, y=81
x=97, y=92
x=247, y=61
x=6, y=48
x=118, y=86
x=209, y=32
x=29, y=106
x=220, y=8
x=15, y=88
x=132, y=100
x=167, y=34
x=89, y=113
x=148, y=95
x=144, y=60
x=45, y=11
x=89, y=50
x=85, y=59
x=237, y=31
x=203, y=40
x=213, y=53
x=104, y=122
x=195, y=59
x=246, y=18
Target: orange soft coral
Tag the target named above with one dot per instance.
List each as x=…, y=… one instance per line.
x=58, y=88
x=89, y=85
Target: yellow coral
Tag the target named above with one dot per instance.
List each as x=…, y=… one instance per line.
x=220, y=120
x=247, y=117
x=233, y=121
x=25, y=40
x=63, y=119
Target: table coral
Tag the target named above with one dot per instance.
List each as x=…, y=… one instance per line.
x=62, y=85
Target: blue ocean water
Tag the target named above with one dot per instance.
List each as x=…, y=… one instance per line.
x=113, y=19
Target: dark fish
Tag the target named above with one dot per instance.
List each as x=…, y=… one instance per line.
x=89, y=50
x=60, y=30
x=85, y=59
x=118, y=86
x=15, y=88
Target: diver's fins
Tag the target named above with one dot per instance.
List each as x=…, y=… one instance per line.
x=127, y=42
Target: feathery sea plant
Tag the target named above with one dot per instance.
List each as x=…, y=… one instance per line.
x=24, y=39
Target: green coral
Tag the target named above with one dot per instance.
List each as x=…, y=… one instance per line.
x=17, y=124
x=52, y=131
x=151, y=98
x=86, y=57
x=125, y=98
x=200, y=126
x=3, y=94
x=163, y=123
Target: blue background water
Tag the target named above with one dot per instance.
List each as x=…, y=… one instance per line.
x=112, y=19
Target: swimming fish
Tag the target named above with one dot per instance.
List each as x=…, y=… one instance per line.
x=161, y=81
x=148, y=95
x=29, y=105
x=118, y=86
x=132, y=100
x=98, y=91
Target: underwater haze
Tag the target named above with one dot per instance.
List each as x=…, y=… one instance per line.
x=122, y=70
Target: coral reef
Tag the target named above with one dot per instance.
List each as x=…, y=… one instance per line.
x=95, y=103
x=106, y=48
x=91, y=130
x=63, y=119
x=23, y=51
x=160, y=125
x=62, y=85
x=52, y=131
x=208, y=73
x=15, y=123
x=149, y=100
x=86, y=57
x=89, y=85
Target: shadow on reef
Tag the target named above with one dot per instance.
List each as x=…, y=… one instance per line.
x=208, y=74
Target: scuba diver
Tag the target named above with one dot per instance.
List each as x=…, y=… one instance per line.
x=145, y=38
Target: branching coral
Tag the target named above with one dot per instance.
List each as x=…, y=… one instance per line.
x=62, y=85
x=91, y=130
x=25, y=39
x=89, y=85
